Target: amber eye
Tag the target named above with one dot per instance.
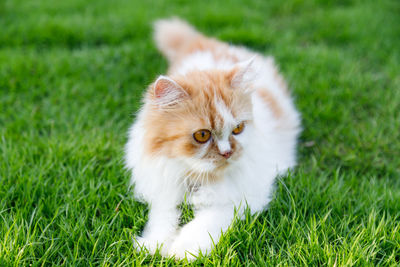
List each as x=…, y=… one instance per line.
x=239, y=128
x=202, y=136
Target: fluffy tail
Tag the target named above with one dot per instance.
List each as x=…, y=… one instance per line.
x=173, y=37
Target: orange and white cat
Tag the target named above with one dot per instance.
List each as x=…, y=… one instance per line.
x=218, y=128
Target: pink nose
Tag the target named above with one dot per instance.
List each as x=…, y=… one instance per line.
x=226, y=154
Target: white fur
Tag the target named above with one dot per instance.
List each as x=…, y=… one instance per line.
x=230, y=122
x=269, y=148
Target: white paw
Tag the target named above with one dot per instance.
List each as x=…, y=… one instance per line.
x=189, y=246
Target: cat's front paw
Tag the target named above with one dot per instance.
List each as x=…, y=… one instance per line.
x=180, y=250
x=189, y=247
x=149, y=244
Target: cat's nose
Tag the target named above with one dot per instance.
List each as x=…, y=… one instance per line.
x=226, y=154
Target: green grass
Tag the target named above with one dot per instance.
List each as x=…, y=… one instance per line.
x=72, y=74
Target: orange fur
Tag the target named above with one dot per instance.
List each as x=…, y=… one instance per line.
x=186, y=41
x=217, y=48
x=271, y=102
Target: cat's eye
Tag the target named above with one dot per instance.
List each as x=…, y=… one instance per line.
x=202, y=136
x=238, y=129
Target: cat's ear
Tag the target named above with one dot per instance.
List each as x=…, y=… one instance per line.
x=167, y=92
x=242, y=75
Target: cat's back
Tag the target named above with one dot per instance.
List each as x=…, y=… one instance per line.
x=187, y=50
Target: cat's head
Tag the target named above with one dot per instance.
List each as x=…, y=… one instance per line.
x=202, y=117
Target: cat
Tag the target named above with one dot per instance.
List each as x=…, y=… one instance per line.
x=216, y=130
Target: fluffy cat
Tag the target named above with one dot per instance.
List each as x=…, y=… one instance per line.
x=217, y=129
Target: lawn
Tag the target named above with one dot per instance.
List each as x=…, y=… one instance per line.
x=71, y=77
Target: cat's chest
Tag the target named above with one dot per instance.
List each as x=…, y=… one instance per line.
x=194, y=181
x=201, y=190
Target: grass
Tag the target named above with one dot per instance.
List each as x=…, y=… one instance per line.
x=72, y=74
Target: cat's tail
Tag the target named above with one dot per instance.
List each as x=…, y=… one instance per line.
x=174, y=36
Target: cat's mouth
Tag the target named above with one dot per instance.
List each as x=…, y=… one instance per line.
x=222, y=163
x=206, y=165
